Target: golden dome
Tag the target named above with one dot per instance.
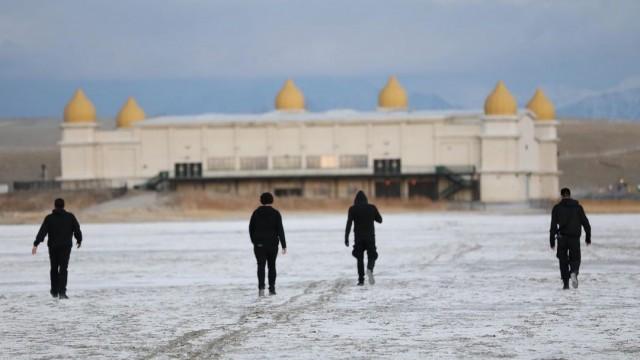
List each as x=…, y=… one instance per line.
x=290, y=97
x=500, y=101
x=393, y=95
x=79, y=109
x=130, y=113
x=542, y=106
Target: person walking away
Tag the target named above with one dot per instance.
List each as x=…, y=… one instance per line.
x=567, y=220
x=362, y=215
x=59, y=227
x=266, y=232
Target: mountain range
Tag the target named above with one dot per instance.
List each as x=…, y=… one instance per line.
x=613, y=105
x=180, y=97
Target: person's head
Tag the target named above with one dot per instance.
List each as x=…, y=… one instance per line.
x=59, y=203
x=565, y=193
x=361, y=198
x=266, y=198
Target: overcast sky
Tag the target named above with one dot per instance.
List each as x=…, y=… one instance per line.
x=568, y=47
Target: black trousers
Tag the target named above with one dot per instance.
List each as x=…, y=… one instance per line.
x=568, y=253
x=266, y=255
x=59, y=259
x=359, y=247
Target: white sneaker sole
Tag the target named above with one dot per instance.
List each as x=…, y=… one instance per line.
x=372, y=279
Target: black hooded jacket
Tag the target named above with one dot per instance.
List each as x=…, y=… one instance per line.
x=567, y=219
x=362, y=214
x=265, y=227
x=60, y=226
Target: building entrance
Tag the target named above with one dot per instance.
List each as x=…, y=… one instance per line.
x=388, y=188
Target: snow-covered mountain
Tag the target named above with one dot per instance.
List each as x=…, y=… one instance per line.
x=613, y=105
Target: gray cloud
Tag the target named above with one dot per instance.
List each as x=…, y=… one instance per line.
x=459, y=46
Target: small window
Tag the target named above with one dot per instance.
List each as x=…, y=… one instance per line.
x=287, y=162
x=221, y=163
x=287, y=192
x=354, y=161
x=254, y=163
x=322, y=162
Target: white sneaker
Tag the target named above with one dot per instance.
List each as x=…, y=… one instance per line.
x=574, y=280
x=372, y=280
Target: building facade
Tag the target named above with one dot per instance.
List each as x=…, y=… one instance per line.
x=501, y=154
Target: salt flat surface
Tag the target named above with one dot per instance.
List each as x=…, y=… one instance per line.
x=455, y=285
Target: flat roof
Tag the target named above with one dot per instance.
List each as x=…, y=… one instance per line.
x=332, y=115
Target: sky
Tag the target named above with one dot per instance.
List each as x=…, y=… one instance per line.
x=456, y=49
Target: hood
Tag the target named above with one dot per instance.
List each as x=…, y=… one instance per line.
x=569, y=203
x=361, y=198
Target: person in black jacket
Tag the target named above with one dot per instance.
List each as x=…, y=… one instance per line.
x=60, y=226
x=362, y=215
x=266, y=231
x=567, y=220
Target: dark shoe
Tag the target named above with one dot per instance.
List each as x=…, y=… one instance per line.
x=272, y=292
x=566, y=285
x=360, y=282
x=63, y=296
x=53, y=293
x=260, y=292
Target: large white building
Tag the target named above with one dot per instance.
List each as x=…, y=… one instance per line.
x=502, y=154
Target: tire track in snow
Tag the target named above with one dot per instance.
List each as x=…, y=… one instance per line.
x=180, y=341
x=465, y=249
x=216, y=348
x=183, y=346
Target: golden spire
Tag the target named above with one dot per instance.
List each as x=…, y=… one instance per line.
x=79, y=109
x=542, y=106
x=393, y=95
x=500, y=101
x=130, y=113
x=290, y=98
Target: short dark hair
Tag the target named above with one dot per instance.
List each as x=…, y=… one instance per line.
x=565, y=192
x=59, y=203
x=266, y=198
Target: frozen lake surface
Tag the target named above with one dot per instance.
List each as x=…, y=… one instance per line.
x=454, y=285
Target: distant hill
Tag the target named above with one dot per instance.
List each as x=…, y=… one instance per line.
x=623, y=105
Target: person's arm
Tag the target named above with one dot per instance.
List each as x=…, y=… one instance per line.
x=283, y=242
x=554, y=228
x=252, y=228
x=348, y=229
x=585, y=224
x=42, y=233
x=378, y=217
x=77, y=233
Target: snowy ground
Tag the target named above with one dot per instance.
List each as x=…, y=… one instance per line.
x=449, y=286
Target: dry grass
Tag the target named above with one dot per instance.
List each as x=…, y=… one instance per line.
x=199, y=200
x=611, y=206
x=30, y=207
x=596, y=154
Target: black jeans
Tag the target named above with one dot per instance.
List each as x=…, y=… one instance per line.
x=359, y=247
x=568, y=254
x=59, y=259
x=266, y=255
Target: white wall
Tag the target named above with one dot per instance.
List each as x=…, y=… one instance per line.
x=516, y=156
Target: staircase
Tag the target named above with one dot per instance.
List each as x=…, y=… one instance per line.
x=159, y=182
x=457, y=181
